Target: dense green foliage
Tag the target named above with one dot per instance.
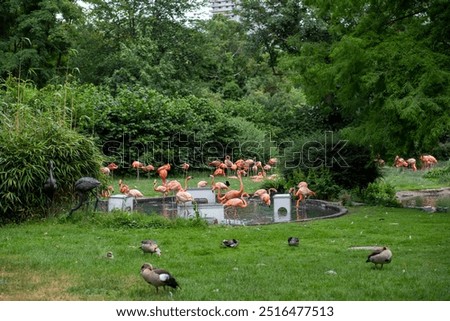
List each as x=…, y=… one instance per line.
x=147, y=83
x=386, y=69
x=28, y=143
x=329, y=164
x=379, y=72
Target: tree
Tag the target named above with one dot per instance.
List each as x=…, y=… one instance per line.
x=36, y=38
x=386, y=72
x=271, y=23
x=227, y=63
x=141, y=42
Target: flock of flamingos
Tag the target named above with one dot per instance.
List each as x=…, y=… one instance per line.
x=234, y=198
x=229, y=198
x=427, y=162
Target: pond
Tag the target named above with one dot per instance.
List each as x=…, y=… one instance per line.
x=254, y=214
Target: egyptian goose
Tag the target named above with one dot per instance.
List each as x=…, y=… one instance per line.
x=380, y=256
x=150, y=246
x=158, y=277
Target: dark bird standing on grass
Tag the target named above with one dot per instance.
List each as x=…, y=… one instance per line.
x=230, y=243
x=158, y=277
x=293, y=241
x=50, y=185
x=83, y=187
x=380, y=256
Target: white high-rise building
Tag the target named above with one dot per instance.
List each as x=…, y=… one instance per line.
x=225, y=7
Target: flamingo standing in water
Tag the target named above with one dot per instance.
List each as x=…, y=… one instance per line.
x=302, y=193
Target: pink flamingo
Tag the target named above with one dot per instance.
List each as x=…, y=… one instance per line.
x=235, y=203
x=148, y=169
x=160, y=189
x=272, y=161
x=137, y=165
x=163, y=172
x=105, y=170
x=112, y=167
x=183, y=196
x=302, y=193
x=185, y=167
x=217, y=186
x=233, y=193
x=428, y=161
x=202, y=184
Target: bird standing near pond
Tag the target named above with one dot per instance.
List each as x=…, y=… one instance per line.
x=380, y=256
x=83, y=187
x=301, y=194
x=158, y=277
x=50, y=185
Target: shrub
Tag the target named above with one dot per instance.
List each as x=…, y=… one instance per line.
x=329, y=164
x=279, y=184
x=380, y=193
x=321, y=182
x=440, y=173
x=28, y=142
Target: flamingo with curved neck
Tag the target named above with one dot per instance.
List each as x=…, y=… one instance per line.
x=233, y=193
x=235, y=203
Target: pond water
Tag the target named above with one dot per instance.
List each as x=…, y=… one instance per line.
x=254, y=214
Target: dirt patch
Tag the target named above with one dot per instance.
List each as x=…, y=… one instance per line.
x=30, y=286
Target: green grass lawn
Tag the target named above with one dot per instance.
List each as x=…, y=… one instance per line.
x=62, y=259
